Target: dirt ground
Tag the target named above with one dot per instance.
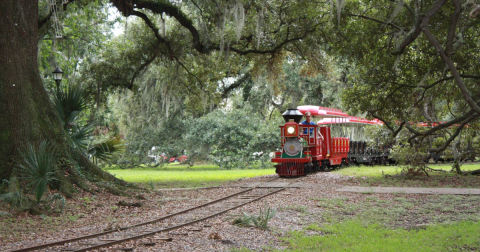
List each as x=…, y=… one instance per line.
x=296, y=208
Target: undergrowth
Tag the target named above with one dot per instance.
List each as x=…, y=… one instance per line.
x=260, y=221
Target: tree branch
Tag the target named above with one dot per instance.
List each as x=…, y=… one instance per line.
x=453, y=136
x=378, y=21
x=44, y=20
x=453, y=27
x=234, y=85
x=451, y=67
x=467, y=117
x=143, y=66
x=413, y=34
x=127, y=8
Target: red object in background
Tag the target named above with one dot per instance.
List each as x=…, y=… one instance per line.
x=179, y=159
x=182, y=158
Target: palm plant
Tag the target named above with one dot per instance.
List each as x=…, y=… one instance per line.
x=69, y=106
x=38, y=167
x=104, y=150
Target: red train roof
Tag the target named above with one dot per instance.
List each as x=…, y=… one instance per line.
x=350, y=121
x=322, y=112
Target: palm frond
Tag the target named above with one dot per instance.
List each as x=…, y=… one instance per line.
x=70, y=104
x=80, y=135
x=38, y=166
x=104, y=150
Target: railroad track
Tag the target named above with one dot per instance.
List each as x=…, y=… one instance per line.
x=166, y=223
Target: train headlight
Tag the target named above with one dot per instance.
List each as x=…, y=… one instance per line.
x=291, y=130
x=292, y=147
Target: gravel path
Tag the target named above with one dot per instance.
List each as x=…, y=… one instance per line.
x=296, y=208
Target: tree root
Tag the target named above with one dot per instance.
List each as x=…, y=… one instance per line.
x=474, y=172
x=435, y=170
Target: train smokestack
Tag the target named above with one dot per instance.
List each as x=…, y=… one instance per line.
x=293, y=114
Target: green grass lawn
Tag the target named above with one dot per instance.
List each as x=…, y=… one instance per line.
x=354, y=236
x=177, y=175
x=395, y=222
x=375, y=176
x=376, y=171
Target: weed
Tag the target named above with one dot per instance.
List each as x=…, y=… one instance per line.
x=332, y=203
x=56, y=202
x=314, y=227
x=151, y=183
x=86, y=201
x=297, y=208
x=73, y=218
x=401, y=200
x=242, y=249
x=243, y=220
x=260, y=221
x=15, y=199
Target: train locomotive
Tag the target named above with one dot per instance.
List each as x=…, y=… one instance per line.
x=309, y=148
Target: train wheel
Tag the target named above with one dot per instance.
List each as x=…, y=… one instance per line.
x=307, y=168
x=325, y=165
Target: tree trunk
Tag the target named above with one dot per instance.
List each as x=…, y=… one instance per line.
x=26, y=113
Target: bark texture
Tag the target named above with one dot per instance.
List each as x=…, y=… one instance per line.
x=26, y=113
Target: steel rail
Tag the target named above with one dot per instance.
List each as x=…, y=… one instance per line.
x=62, y=242
x=125, y=228
x=174, y=227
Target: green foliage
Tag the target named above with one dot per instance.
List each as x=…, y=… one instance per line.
x=353, y=235
x=38, y=167
x=70, y=105
x=231, y=138
x=86, y=27
x=260, y=221
x=105, y=149
x=16, y=199
x=56, y=201
x=399, y=74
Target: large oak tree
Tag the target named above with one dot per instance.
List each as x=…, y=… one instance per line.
x=256, y=29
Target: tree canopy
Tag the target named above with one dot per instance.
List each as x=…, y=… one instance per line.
x=184, y=66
